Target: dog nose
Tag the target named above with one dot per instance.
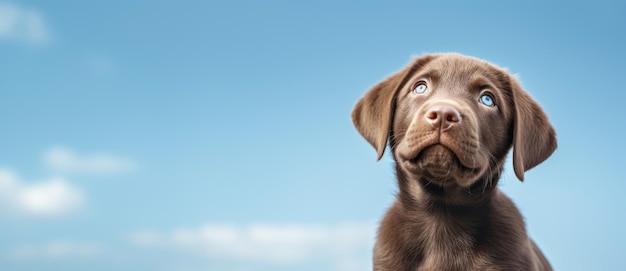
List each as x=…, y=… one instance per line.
x=443, y=116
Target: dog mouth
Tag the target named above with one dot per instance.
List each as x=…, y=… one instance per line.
x=439, y=163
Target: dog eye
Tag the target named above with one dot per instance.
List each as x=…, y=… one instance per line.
x=487, y=100
x=420, y=87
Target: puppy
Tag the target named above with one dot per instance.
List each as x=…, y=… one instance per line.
x=450, y=121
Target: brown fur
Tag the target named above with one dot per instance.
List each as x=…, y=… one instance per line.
x=449, y=150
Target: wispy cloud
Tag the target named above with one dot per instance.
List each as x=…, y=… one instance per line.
x=346, y=245
x=50, y=197
x=55, y=250
x=55, y=196
x=65, y=160
x=22, y=25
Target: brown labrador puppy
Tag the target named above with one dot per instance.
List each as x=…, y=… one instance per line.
x=450, y=121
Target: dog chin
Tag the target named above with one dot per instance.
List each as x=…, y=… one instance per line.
x=439, y=165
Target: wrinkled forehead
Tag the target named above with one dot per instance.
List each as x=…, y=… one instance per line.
x=457, y=69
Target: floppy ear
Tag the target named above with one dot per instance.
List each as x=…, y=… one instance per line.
x=534, y=138
x=373, y=113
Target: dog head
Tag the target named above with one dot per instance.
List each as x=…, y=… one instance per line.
x=451, y=119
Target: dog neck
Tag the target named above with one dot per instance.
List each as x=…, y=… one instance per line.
x=421, y=195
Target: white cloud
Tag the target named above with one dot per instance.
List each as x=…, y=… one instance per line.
x=22, y=24
x=65, y=160
x=55, y=250
x=347, y=245
x=50, y=197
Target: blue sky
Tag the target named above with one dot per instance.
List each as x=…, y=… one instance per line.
x=195, y=135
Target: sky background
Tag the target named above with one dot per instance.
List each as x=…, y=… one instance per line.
x=200, y=135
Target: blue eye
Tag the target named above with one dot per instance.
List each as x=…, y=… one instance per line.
x=487, y=100
x=420, y=88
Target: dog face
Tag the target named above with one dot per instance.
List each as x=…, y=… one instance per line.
x=451, y=119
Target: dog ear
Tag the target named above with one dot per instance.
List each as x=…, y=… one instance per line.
x=534, y=138
x=372, y=115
